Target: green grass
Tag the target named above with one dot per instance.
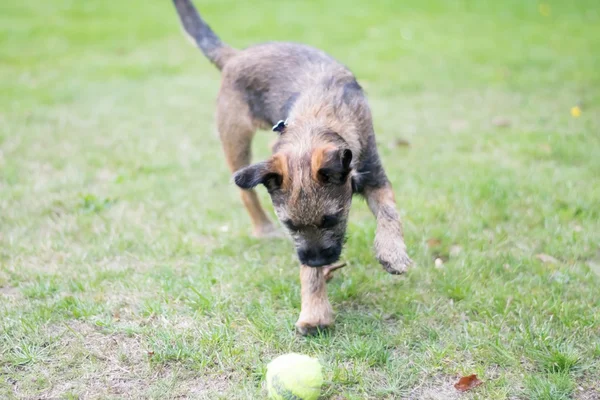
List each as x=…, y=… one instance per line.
x=126, y=265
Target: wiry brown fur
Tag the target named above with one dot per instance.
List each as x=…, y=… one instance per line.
x=316, y=312
x=324, y=155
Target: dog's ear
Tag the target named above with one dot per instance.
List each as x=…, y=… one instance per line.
x=269, y=173
x=331, y=164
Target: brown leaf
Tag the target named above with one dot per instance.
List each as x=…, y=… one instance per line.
x=467, y=383
x=433, y=242
x=546, y=259
x=401, y=142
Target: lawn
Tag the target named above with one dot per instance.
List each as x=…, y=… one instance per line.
x=127, y=268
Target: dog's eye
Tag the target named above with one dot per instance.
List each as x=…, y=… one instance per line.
x=290, y=225
x=329, y=221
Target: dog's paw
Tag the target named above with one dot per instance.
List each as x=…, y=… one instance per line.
x=396, y=265
x=314, y=318
x=312, y=330
x=308, y=326
x=391, y=254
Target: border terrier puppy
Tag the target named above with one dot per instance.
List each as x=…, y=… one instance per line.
x=325, y=153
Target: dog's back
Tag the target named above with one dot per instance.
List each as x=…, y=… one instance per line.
x=276, y=77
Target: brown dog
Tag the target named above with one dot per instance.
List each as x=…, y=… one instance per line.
x=325, y=153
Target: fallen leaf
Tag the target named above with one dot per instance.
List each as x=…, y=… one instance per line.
x=467, y=383
x=501, y=122
x=401, y=142
x=433, y=242
x=546, y=259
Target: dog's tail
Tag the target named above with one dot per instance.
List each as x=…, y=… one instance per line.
x=210, y=44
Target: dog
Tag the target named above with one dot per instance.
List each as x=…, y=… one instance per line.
x=325, y=153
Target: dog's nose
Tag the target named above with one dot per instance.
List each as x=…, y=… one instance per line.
x=318, y=257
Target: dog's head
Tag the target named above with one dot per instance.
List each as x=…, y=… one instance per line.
x=310, y=187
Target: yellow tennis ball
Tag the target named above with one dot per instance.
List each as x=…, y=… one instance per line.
x=294, y=377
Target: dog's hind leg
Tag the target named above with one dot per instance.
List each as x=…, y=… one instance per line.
x=236, y=130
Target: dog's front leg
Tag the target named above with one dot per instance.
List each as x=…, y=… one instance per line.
x=390, y=249
x=316, y=312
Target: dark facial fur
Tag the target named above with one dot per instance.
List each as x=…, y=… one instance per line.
x=315, y=213
x=308, y=179
x=316, y=220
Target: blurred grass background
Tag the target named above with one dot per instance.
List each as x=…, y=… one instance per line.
x=126, y=266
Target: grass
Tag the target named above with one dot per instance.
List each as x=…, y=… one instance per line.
x=126, y=266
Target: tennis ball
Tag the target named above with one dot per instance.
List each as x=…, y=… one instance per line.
x=294, y=377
